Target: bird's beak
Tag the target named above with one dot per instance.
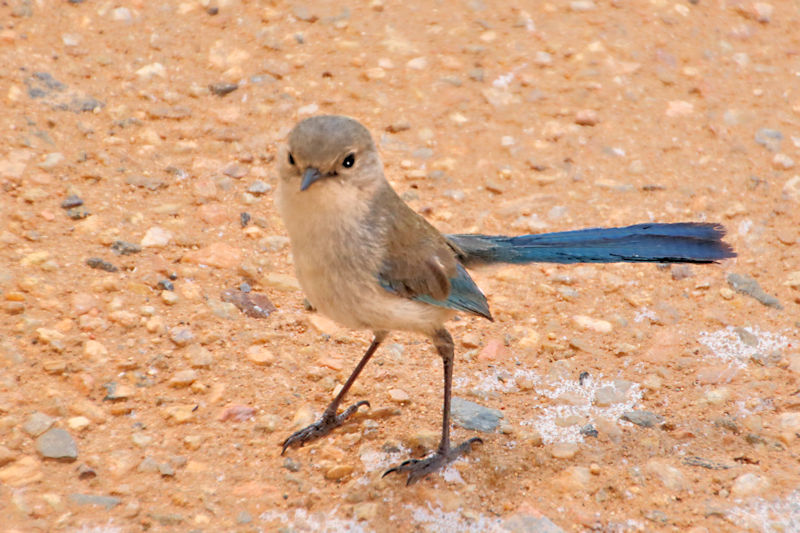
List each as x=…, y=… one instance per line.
x=309, y=177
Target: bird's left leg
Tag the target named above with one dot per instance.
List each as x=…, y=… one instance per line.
x=419, y=468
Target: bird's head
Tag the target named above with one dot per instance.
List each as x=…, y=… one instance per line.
x=330, y=148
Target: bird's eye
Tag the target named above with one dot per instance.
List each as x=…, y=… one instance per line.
x=291, y=159
x=349, y=161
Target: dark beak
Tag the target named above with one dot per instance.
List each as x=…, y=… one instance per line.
x=309, y=177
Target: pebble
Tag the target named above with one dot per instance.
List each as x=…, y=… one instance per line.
x=470, y=340
x=218, y=254
x=367, y=511
x=608, y=395
x=71, y=201
x=423, y=440
x=672, y=478
x=200, y=357
x=237, y=413
x=57, y=444
x=587, y=117
x=748, y=485
x=645, y=419
x=582, y=5
x=471, y=415
x=399, y=396
x=125, y=248
x=339, y=471
x=744, y=284
x=769, y=139
x=281, y=282
x=222, y=88
x=594, y=324
x=791, y=189
x=78, y=423
x=183, y=378
x=608, y=428
x=100, y=264
x=37, y=424
x=260, y=355
x=564, y=450
x=181, y=335
x=169, y=297
x=156, y=237
x=180, y=414
x=259, y=187
x=109, y=502
x=782, y=161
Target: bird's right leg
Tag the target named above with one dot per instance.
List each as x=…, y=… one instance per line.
x=330, y=419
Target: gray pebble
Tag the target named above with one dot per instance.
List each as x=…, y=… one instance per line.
x=769, y=139
x=258, y=187
x=37, y=424
x=99, y=264
x=78, y=213
x=108, y=502
x=125, y=248
x=646, y=419
x=291, y=465
x=57, y=444
x=243, y=517
x=471, y=415
x=71, y=201
x=744, y=284
x=222, y=88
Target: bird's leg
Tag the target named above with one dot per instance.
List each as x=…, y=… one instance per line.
x=330, y=419
x=419, y=468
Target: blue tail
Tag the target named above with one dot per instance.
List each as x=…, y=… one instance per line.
x=685, y=242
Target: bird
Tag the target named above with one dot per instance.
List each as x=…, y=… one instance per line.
x=368, y=261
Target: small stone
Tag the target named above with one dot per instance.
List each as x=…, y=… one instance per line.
x=237, y=413
x=586, y=117
x=183, y=378
x=258, y=188
x=37, y=424
x=57, y=444
x=78, y=423
x=646, y=419
x=425, y=440
x=181, y=335
x=564, y=450
x=260, y=355
x=100, y=264
x=594, y=324
x=169, y=297
x=744, y=284
x=470, y=340
x=417, y=63
x=769, y=139
x=71, y=201
x=672, y=478
x=281, y=282
x=608, y=395
x=582, y=5
x=748, y=485
x=339, y=471
x=243, y=517
x=791, y=189
x=399, y=396
x=109, y=502
x=180, y=414
x=200, y=357
x=782, y=161
x=291, y=465
x=125, y=248
x=471, y=415
x=156, y=237
x=222, y=88
x=218, y=254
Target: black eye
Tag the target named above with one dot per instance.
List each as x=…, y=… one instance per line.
x=291, y=159
x=349, y=161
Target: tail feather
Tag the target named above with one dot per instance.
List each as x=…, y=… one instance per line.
x=685, y=242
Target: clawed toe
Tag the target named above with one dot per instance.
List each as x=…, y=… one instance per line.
x=321, y=427
x=419, y=468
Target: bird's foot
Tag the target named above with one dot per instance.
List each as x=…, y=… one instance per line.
x=419, y=468
x=321, y=427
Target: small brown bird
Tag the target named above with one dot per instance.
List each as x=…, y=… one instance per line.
x=368, y=261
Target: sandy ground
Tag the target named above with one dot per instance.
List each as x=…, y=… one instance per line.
x=134, y=397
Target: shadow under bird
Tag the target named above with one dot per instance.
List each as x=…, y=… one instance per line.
x=368, y=261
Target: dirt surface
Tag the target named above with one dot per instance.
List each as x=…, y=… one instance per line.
x=134, y=397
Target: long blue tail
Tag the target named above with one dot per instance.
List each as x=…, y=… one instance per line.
x=685, y=242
